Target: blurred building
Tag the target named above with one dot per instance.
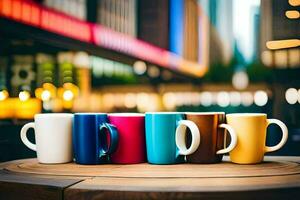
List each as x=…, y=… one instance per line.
x=221, y=31
x=275, y=25
x=256, y=33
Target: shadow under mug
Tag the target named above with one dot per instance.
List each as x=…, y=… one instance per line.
x=53, y=136
x=94, y=139
x=251, y=130
x=213, y=130
x=165, y=137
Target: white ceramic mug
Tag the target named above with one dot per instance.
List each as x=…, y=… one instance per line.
x=53, y=136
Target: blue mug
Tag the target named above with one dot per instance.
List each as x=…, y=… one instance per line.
x=90, y=142
x=165, y=137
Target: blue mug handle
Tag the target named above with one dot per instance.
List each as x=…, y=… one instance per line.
x=114, y=139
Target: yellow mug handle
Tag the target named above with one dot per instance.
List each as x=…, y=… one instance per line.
x=284, y=138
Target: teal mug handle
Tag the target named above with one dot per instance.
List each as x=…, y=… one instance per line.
x=180, y=137
x=114, y=139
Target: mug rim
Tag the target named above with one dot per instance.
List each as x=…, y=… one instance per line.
x=126, y=114
x=89, y=113
x=53, y=115
x=204, y=113
x=163, y=113
x=246, y=114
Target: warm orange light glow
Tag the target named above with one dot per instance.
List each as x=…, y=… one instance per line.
x=294, y=2
x=46, y=95
x=26, y=109
x=283, y=44
x=292, y=14
x=46, y=92
x=24, y=95
x=49, y=86
x=6, y=7
x=68, y=95
x=7, y=109
x=281, y=58
x=3, y=95
x=294, y=57
x=38, y=92
x=267, y=58
x=15, y=108
x=16, y=9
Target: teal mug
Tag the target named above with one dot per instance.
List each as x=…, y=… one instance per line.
x=165, y=137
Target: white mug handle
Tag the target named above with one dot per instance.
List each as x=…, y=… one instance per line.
x=284, y=138
x=24, y=136
x=233, y=137
x=181, y=134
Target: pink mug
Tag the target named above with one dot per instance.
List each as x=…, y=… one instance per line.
x=131, y=146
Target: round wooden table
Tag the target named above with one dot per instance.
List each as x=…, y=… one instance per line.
x=276, y=178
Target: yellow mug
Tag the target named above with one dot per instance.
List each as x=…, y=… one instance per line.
x=251, y=130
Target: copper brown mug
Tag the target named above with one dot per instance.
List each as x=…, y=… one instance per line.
x=212, y=127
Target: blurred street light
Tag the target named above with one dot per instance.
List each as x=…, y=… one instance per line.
x=247, y=98
x=240, y=80
x=260, y=98
x=68, y=95
x=81, y=59
x=294, y=2
x=3, y=95
x=153, y=71
x=206, y=98
x=46, y=95
x=139, y=67
x=223, y=99
x=291, y=95
x=24, y=95
x=283, y=44
x=292, y=14
x=235, y=98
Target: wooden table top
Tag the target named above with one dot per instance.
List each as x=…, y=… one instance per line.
x=275, y=178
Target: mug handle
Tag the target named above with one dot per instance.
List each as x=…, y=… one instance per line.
x=284, y=138
x=114, y=138
x=181, y=134
x=24, y=138
x=233, y=137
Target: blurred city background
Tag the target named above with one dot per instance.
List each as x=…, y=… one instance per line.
x=142, y=55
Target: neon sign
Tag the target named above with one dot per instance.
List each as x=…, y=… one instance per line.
x=35, y=15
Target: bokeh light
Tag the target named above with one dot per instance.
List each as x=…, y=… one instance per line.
x=291, y=95
x=223, y=99
x=240, y=80
x=46, y=95
x=169, y=100
x=235, y=98
x=3, y=95
x=130, y=100
x=247, y=99
x=206, y=98
x=24, y=95
x=260, y=98
x=68, y=95
x=139, y=67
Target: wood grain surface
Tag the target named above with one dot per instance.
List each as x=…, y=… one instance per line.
x=189, y=184
x=282, y=194
x=276, y=178
x=14, y=186
x=145, y=170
